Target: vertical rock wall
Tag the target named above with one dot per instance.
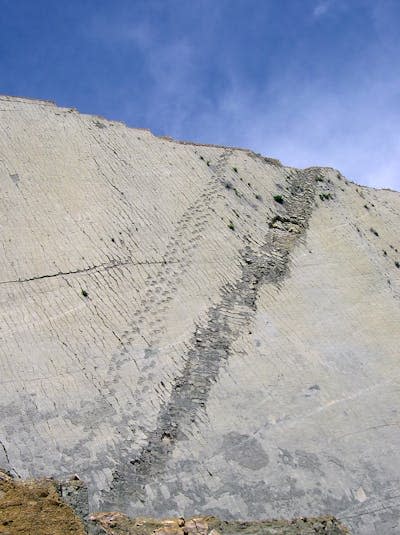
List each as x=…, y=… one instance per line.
x=195, y=329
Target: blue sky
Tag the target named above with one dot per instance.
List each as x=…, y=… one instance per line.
x=311, y=82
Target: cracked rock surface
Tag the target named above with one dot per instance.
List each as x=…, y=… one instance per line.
x=196, y=329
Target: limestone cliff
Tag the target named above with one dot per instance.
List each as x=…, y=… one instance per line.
x=196, y=329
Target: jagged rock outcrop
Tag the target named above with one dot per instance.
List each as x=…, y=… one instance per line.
x=196, y=329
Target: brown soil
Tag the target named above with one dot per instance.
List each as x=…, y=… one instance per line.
x=35, y=508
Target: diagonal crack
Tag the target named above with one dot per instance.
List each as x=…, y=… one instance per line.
x=105, y=265
x=5, y=452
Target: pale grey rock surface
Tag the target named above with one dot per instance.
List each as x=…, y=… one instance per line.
x=183, y=341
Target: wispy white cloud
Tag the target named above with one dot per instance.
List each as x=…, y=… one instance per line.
x=174, y=90
x=354, y=130
x=350, y=124
x=321, y=8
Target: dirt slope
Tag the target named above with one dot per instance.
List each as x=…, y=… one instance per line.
x=35, y=508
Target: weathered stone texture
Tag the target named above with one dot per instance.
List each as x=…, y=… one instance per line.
x=196, y=329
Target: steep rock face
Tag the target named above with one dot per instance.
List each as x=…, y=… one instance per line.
x=196, y=329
